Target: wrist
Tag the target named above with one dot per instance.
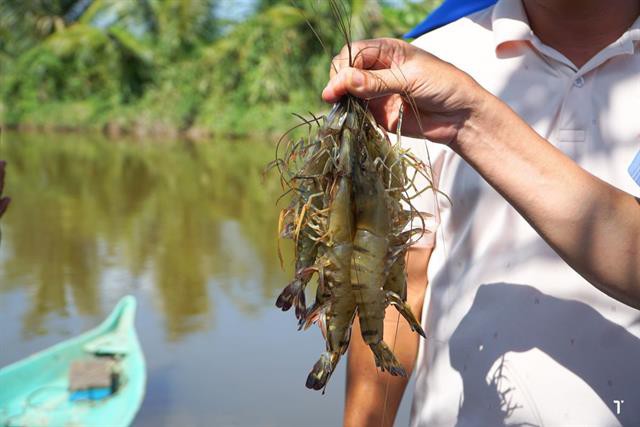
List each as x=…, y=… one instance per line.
x=483, y=116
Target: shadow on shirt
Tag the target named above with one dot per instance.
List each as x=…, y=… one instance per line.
x=517, y=318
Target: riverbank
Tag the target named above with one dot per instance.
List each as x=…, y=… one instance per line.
x=138, y=122
x=149, y=73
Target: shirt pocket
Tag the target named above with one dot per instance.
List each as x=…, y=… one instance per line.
x=572, y=142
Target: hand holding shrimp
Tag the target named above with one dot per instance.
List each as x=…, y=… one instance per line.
x=561, y=200
x=391, y=73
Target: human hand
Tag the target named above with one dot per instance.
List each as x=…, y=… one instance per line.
x=4, y=201
x=438, y=98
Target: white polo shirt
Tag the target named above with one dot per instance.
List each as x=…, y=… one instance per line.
x=515, y=336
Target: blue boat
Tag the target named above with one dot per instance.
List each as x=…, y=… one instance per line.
x=36, y=391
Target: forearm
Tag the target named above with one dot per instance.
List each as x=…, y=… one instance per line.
x=372, y=397
x=594, y=226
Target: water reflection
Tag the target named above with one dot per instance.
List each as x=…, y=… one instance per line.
x=179, y=216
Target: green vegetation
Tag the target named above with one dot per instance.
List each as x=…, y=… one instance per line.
x=162, y=67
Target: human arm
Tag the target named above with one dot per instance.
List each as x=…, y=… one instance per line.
x=372, y=397
x=4, y=201
x=592, y=225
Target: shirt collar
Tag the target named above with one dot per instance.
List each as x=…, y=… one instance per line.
x=510, y=22
x=629, y=40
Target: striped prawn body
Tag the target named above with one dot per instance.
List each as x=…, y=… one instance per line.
x=368, y=275
x=337, y=306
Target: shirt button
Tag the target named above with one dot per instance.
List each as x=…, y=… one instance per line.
x=579, y=82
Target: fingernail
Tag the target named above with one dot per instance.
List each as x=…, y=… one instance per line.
x=357, y=79
x=325, y=92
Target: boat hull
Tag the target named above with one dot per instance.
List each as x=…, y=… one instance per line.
x=35, y=390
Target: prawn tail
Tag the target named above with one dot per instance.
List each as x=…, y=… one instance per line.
x=293, y=295
x=405, y=310
x=385, y=359
x=322, y=370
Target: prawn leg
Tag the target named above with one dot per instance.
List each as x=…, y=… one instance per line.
x=385, y=360
x=396, y=279
x=405, y=311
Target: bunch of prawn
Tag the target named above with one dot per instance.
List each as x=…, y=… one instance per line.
x=349, y=217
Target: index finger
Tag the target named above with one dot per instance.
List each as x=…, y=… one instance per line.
x=373, y=54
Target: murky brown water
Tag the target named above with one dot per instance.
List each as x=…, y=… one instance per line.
x=190, y=231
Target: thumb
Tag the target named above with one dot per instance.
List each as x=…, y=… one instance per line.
x=364, y=84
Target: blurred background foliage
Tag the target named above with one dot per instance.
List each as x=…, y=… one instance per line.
x=168, y=67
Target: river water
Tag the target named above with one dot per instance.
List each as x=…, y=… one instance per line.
x=189, y=229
